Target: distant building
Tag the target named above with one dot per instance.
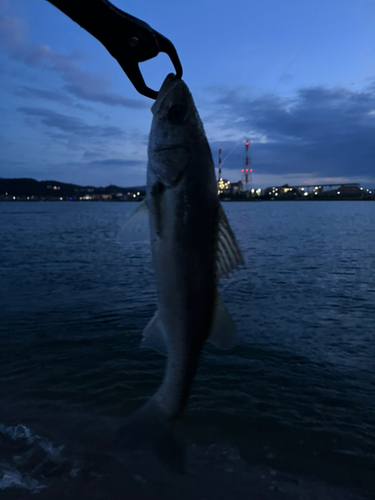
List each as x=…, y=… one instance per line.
x=236, y=187
x=311, y=192
x=223, y=185
x=349, y=190
x=97, y=197
x=285, y=192
x=271, y=191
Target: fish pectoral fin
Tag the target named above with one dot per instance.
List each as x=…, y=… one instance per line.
x=154, y=336
x=136, y=228
x=224, y=333
x=229, y=255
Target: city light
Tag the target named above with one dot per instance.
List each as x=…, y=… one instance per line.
x=234, y=191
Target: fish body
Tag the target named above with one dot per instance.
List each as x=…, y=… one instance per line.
x=192, y=247
x=183, y=210
x=185, y=218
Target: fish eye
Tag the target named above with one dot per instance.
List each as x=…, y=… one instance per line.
x=176, y=114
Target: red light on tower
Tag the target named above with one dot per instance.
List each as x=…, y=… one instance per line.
x=247, y=143
x=242, y=170
x=247, y=170
x=251, y=170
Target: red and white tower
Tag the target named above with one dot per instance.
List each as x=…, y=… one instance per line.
x=247, y=172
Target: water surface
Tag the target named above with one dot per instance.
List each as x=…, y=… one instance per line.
x=287, y=414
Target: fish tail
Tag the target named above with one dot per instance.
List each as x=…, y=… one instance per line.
x=150, y=428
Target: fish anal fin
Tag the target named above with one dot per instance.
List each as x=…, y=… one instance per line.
x=224, y=333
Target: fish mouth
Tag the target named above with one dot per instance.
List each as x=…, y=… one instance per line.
x=170, y=83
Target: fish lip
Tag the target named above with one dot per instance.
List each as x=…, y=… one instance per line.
x=170, y=82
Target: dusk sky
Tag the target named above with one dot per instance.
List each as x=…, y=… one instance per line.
x=296, y=78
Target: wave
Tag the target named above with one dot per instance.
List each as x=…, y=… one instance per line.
x=28, y=460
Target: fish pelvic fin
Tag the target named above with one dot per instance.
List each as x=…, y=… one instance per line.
x=223, y=335
x=151, y=429
x=136, y=228
x=154, y=336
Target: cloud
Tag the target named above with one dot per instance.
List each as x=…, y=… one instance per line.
x=92, y=89
x=30, y=92
x=82, y=84
x=82, y=173
x=59, y=97
x=320, y=131
x=117, y=162
x=70, y=125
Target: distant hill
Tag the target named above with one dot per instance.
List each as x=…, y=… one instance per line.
x=25, y=187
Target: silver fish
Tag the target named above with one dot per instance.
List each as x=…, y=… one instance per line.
x=192, y=247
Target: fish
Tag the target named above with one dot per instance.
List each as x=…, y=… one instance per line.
x=192, y=246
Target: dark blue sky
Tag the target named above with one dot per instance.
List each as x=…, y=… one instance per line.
x=296, y=78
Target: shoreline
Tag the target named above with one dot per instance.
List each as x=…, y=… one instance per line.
x=221, y=201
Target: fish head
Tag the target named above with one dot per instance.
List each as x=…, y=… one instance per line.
x=176, y=128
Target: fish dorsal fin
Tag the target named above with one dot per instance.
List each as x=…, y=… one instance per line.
x=224, y=333
x=154, y=336
x=229, y=255
x=136, y=227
